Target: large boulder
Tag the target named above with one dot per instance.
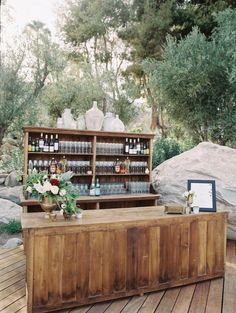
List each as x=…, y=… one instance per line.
x=205, y=161
x=11, y=193
x=12, y=180
x=9, y=210
x=13, y=243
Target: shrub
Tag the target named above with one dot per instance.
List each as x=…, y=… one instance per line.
x=164, y=149
x=12, y=227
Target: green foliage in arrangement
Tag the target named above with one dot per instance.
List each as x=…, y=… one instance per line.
x=164, y=149
x=197, y=81
x=12, y=227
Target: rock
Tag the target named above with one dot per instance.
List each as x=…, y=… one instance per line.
x=9, y=210
x=3, y=178
x=205, y=161
x=12, y=180
x=12, y=243
x=5, y=158
x=11, y=193
x=9, y=141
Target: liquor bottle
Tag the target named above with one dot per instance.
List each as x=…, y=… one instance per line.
x=41, y=143
x=134, y=147
x=30, y=167
x=126, y=146
x=122, y=168
x=56, y=144
x=29, y=145
x=142, y=148
x=117, y=166
x=63, y=164
x=147, y=149
x=97, y=188
x=130, y=146
x=33, y=145
x=127, y=165
x=53, y=166
x=51, y=144
x=46, y=144
x=92, y=189
x=35, y=165
x=138, y=146
x=37, y=145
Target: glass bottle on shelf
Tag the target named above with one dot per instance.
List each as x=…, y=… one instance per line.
x=30, y=167
x=56, y=144
x=51, y=144
x=29, y=145
x=126, y=146
x=147, y=149
x=63, y=164
x=138, y=146
x=134, y=147
x=122, y=168
x=33, y=145
x=41, y=143
x=130, y=146
x=37, y=145
x=92, y=189
x=142, y=148
x=127, y=165
x=117, y=166
x=97, y=188
x=53, y=166
x=46, y=144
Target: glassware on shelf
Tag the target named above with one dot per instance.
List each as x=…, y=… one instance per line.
x=110, y=148
x=138, y=187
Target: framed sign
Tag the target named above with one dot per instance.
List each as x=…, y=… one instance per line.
x=204, y=194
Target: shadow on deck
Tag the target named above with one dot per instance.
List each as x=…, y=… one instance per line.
x=215, y=296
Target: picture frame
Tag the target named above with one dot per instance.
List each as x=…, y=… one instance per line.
x=204, y=194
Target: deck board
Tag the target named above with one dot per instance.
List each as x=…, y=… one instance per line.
x=218, y=295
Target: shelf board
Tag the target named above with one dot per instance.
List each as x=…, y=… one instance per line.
x=128, y=174
x=123, y=155
x=105, y=198
x=59, y=153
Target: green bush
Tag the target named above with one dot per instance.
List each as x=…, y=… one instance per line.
x=164, y=149
x=12, y=227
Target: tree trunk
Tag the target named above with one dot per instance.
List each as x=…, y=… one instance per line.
x=2, y=133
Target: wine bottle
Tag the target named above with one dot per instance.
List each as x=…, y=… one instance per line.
x=41, y=143
x=30, y=167
x=51, y=144
x=117, y=166
x=33, y=145
x=53, y=166
x=138, y=146
x=130, y=146
x=147, y=149
x=134, y=147
x=126, y=146
x=37, y=145
x=92, y=189
x=127, y=165
x=56, y=144
x=97, y=188
x=29, y=145
x=46, y=144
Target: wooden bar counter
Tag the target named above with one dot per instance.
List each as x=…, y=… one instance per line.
x=114, y=253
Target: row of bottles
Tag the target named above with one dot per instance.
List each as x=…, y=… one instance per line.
x=136, y=147
x=44, y=144
x=54, y=166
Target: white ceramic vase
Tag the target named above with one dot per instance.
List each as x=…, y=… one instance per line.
x=94, y=118
x=59, y=122
x=107, y=123
x=67, y=119
x=117, y=125
x=81, y=122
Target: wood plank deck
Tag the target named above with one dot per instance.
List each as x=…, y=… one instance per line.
x=215, y=296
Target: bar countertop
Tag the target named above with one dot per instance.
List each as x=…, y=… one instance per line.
x=107, y=216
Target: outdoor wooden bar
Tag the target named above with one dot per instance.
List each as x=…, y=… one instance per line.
x=113, y=253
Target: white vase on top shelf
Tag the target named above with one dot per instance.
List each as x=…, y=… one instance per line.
x=94, y=118
x=67, y=119
x=107, y=123
x=117, y=125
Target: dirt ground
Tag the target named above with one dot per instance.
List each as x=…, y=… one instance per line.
x=4, y=237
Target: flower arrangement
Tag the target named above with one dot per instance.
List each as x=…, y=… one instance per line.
x=57, y=188
x=188, y=195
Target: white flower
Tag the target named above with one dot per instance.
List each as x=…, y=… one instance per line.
x=29, y=189
x=38, y=187
x=47, y=186
x=54, y=189
x=53, y=176
x=45, y=177
x=62, y=192
x=63, y=206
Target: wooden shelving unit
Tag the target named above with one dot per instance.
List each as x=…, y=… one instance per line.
x=94, y=138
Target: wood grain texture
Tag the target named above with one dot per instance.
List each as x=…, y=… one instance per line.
x=101, y=258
